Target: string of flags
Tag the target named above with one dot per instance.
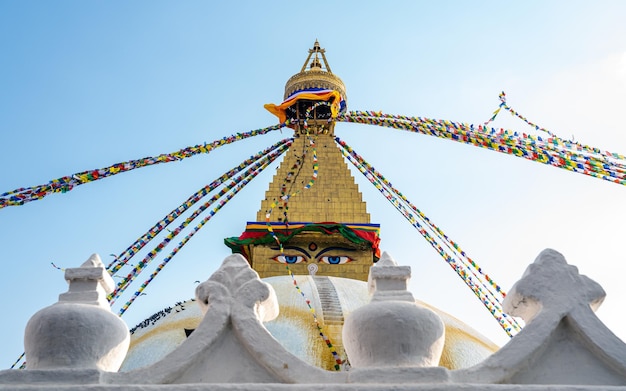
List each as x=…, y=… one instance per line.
x=487, y=291
x=503, y=105
x=64, y=184
x=235, y=186
x=318, y=325
x=285, y=199
x=162, y=224
x=18, y=360
x=57, y=267
x=449, y=243
x=550, y=150
x=254, y=167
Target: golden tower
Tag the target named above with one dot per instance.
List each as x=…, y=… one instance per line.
x=313, y=205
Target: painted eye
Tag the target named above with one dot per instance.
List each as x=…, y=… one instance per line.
x=335, y=259
x=291, y=259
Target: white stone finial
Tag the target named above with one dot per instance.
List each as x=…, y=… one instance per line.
x=392, y=330
x=79, y=331
x=93, y=261
x=386, y=260
x=90, y=283
x=388, y=281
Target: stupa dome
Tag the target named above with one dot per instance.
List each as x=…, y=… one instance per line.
x=332, y=299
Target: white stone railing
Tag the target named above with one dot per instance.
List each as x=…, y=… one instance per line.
x=391, y=341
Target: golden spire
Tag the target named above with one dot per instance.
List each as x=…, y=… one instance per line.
x=315, y=63
x=334, y=196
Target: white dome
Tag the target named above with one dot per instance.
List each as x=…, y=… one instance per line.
x=332, y=299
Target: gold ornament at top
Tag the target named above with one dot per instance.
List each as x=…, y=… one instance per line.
x=315, y=73
x=313, y=97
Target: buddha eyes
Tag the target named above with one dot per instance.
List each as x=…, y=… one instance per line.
x=294, y=254
x=335, y=259
x=290, y=259
x=329, y=259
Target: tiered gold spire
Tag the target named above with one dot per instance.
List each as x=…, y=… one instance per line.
x=333, y=196
x=313, y=200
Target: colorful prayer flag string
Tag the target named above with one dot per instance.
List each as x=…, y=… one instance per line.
x=127, y=254
x=246, y=178
x=18, y=360
x=64, y=184
x=290, y=177
x=489, y=299
x=453, y=246
x=265, y=159
x=286, y=197
x=552, y=150
x=318, y=325
x=503, y=104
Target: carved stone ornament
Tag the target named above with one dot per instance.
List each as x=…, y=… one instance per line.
x=563, y=341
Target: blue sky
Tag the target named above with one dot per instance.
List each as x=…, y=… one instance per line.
x=84, y=85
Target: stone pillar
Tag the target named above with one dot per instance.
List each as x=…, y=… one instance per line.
x=79, y=331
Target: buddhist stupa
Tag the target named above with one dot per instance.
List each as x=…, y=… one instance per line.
x=312, y=240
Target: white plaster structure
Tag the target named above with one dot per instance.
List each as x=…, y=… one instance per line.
x=563, y=346
x=79, y=331
x=392, y=330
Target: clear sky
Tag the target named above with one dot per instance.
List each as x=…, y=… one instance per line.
x=84, y=85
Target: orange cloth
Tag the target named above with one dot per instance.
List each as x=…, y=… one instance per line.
x=324, y=95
